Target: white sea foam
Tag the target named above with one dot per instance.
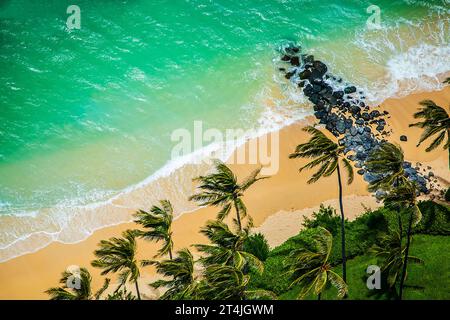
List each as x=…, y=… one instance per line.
x=414, y=56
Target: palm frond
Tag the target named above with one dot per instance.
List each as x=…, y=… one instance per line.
x=436, y=121
x=349, y=168
x=337, y=282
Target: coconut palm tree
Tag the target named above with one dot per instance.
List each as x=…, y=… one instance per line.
x=76, y=285
x=180, y=270
x=311, y=269
x=436, y=121
x=222, y=282
x=386, y=161
x=119, y=255
x=326, y=154
x=222, y=189
x=158, y=225
x=227, y=248
x=404, y=197
x=391, y=256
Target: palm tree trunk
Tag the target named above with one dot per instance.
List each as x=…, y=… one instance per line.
x=319, y=296
x=170, y=254
x=399, y=216
x=238, y=216
x=405, y=264
x=344, y=262
x=137, y=290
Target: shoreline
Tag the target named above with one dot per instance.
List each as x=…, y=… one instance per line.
x=281, y=193
x=121, y=205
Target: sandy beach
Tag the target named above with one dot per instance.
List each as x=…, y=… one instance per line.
x=277, y=205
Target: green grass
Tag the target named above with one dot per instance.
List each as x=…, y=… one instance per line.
x=428, y=281
x=431, y=243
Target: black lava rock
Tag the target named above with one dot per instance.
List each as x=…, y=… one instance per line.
x=305, y=74
x=320, y=67
x=295, y=61
x=375, y=113
x=338, y=94
x=365, y=116
x=350, y=89
x=289, y=74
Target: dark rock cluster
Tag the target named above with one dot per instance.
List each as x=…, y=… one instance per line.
x=341, y=108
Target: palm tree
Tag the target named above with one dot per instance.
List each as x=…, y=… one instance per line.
x=386, y=161
x=447, y=80
x=223, y=282
x=158, y=223
x=75, y=286
x=327, y=155
x=119, y=255
x=222, y=188
x=436, y=122
x=404, y=197
x=391, y=257
x=227, y=248
x=180, y=270
x=311, y=269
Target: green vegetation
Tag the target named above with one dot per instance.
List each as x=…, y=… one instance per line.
x=226, y=248
x=311, y=269
x=80, y=286
x=387, y=161
x=447, y=195
x=181, y=273
x=158, y=225
x=436, y=122
x=257, y=245
x=118, y=255
x=364, y=233
x=222, y=189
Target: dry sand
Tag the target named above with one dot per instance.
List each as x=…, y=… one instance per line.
x=277, y=206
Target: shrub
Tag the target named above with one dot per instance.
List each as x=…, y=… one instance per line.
x=360, y=234
x=326, y=217
x=274, y=277
x=435, y=219
x=257, y=245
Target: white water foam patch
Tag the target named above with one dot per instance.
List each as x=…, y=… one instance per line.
x=419, y=69
x=70, y=222
x=425, y=60
x=411, y=55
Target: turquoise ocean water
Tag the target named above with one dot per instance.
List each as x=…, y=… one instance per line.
x=86, y=115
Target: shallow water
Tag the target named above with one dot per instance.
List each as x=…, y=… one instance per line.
x=86, y=115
